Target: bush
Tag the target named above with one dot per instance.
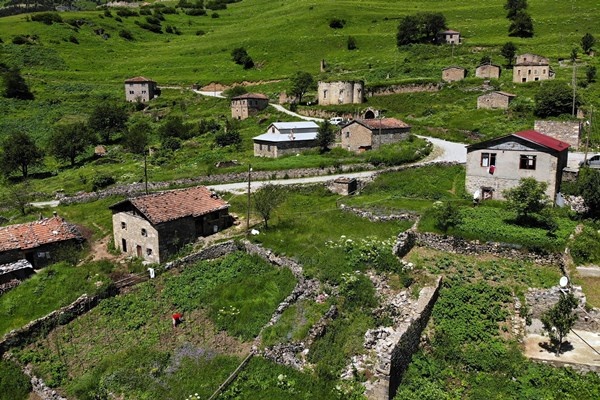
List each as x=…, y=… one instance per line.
x=73, y=39
x=352, y=43
x=14, y=384
x=126, y=34
x=171, y=143
x=200, y=33
x=47, y=18
x=194, y=12
x=584, y=248
x=228, y=138
x=337, y=23
x=127, y=12
x=101, y=181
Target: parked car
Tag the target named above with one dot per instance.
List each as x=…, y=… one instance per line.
x=592, y=162
x=336, y=120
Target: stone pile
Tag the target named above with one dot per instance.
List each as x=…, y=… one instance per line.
x=377, y=218
x=576, y=203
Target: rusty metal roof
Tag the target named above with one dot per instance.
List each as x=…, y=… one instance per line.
x=33, y=234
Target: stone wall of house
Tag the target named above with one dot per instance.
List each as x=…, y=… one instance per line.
x=567, y=131
x=453, y=74
x=493, y=100
x=488, y=71
x=396, y=346
x=341, y=92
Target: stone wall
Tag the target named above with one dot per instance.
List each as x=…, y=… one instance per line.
x=397, y=345
x=567, y=131
x=406, y=88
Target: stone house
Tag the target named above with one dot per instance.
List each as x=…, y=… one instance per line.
x=365, y=134
x=450, y=37
x=452, y=74
x=153, y=226
x=341, y=92
x=567, y=131
x=284, y=138
x=140, y=89
x=38, y=242
x=498, y=164
x=494, y=100
x=531, y=67
x=488, y=71
x=248, y=104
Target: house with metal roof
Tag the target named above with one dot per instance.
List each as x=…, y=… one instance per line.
x=39, y=242
x=365, y=134
x=284, y=138
x=248, y=104
x=153, y=226
x=140, y=89
x=499, y=164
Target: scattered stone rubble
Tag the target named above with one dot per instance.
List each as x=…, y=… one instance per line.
x=576, y=203
x=377, y=218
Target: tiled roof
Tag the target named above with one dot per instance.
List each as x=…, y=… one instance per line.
x=174, y=204
x=542, y=140
x=33, y=234
x=384, y=123
x=258, y=96
x=138, y=79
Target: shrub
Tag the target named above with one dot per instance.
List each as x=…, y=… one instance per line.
x=19, y=39
x=47, y=18
x=101, y=181
x=171, y=143
x=107, y=14
x=200, y=33
x=584, y=248
x=73, y=39
x=351, y=43
x=214, y=15
x=14, y=384
x=126, y=34
x=337, y=23
x=194, y=12
x=240, y=56
x=228, y=138
x=127, y=12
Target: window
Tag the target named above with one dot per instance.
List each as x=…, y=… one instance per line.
x=488, y=159
x=143, y=92
x=144, y=232
x=149, y=251
x=260, y=146
x=124, y=245
x=131, y=92
x=123, y=225
x=527, y=162
x=347, y=135
x=324, y=94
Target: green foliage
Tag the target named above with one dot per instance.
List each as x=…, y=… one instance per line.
x=15, y=86
x=508, y=51
x=325, y=136
x=446, y=215
x=513, y=7
x=553, y=99
x=108, y=119
x=584, y=248
x=527, y=199
x=101, y=181
x=14, y=384
x=228, y=138
x=47, y=18
x=235, y=91
x=68, y=141
x=267, y=199
x=300, y=84
x=587, y=42
x=590, y=73
x=19, y=152
x=337, y=23
x=126, y=34
x=559, y=319
x=241, y=57
x=175, y=127
x=420, y=28
x=399, y=153
x=351, y=43
x=137, y=137
x=588, y=183
x=521, y=25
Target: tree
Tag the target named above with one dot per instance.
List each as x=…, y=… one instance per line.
x=408, y=31
x=175, y=127
x=17, y=195
x=573, y=56
x=137, y=137
x=508, y=51
x=513, y=7
x=15, y=86
x=433, y=24
x=235, y=91
x=521, y=26
x=420, y=28
x=588, y=183
x=107, y=119
x=559, y=319
x=301, y=83
x=68, y=141
x=587, y=43
x=325, y=136
x=19, y=152
x=351, y=44
x=446, y=215
x=241, y=57
x=590, y=73
x=266, y=199
x=553, y=99
x=527, y=199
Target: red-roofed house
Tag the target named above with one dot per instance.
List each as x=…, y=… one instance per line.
x=37, y=241
x=140, y=89
x=499, y=164
x=365, y=134
x=248, y=104
x=155, y=225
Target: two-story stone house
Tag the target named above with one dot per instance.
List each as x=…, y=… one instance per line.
x=365, y=134
x=498, y=164
x=248, y=104
x=156, y=225
x=284, y=138
x=530, y=68
x=140, y=89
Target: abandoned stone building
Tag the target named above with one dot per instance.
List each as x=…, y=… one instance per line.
x=248, y=104
x=284, y=138
x=488, y=71
x=498, y=164
x=495, y=100
x=153, y=226
x=450, y=37
x=140, y=89
x=38, y=242
x=366, y=134
x=341, y=92
x=531, y=67
x=567, y=131
x=453, y=74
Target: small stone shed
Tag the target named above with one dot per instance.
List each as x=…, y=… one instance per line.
x=344, y=186
x=284, y=138
x=140, y=89
x=488, y=71
x=453, y=74
x=248, y=104
x=38, y=242
x=495, y=100
x=365, y=134
x=530, y=68
x=450, y=36
x=153, y=226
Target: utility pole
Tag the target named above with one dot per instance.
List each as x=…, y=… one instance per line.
x=248, y=205
x=574, y=87
x=145, y=171
x=587, y=137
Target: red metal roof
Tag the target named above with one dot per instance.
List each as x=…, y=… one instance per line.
x=174, y=204
x=33, y=234
x=138, y=79
x=542, y=140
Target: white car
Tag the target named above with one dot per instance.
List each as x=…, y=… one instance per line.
x=336, y=120
x=592, y=162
